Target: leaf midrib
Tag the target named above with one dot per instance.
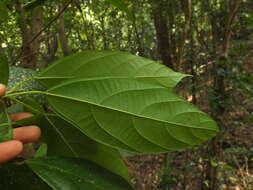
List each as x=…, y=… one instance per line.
x=125, y=112
x=110, y=77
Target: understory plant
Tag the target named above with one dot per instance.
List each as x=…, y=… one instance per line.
x=91, y=107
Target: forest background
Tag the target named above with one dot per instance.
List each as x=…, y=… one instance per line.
x=211, y=40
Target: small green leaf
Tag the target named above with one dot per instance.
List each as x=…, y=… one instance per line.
x=28, y=121
x=42, y=151
x=228, y=167
x=75, y=174
x=4, y=70
x=31, y=105
x=214, y=163
x=233, y=179
x=236, y=150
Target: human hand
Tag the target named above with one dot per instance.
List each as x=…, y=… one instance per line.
x=21, y=135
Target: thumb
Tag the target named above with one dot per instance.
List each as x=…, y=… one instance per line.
x=2, y=89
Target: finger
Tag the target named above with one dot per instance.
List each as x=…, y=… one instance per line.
x=20, y=116
x=27, y=134
x=9, y=150
x=2, y=89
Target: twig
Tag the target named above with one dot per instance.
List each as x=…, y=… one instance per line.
x=240, y=171
x=228, y=30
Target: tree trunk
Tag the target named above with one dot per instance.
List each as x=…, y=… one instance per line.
x=62, y=35
x=219, y=86
x=30, y=49
x=52, y=47
x=162, y=32
x=187, y=9
x=172, y=35
x=140, y=48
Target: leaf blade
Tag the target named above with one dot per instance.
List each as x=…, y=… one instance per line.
x=63, y=174
x=109, y=95
x=99, y=64
x=98, y=106
x=64, y=139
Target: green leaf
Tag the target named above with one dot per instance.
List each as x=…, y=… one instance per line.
x=64, y=139
x=31, y=105
x=75, y=174
x=137, y=115
x=120, y=4
x=214, y=163
x=125, y=101
x=236, y=150
x=5, y=125
x=15, y=108
x=42, y=151
x=4, y=70
x=94, y=64
x=27, y=104
x=27, y=121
